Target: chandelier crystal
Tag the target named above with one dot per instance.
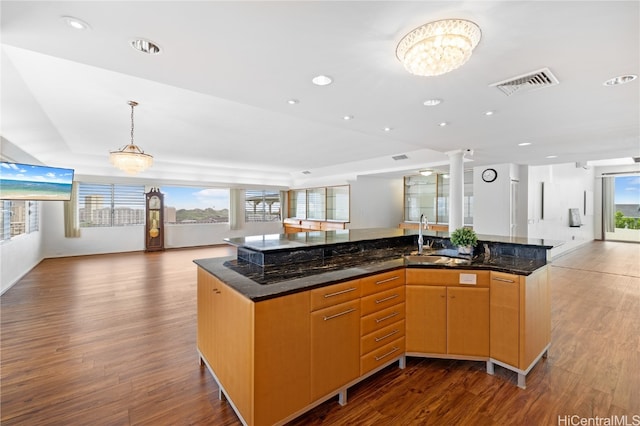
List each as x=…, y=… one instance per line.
x=131, y=158
x=438, y=47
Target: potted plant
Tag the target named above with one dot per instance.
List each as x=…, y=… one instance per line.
x=465, y=239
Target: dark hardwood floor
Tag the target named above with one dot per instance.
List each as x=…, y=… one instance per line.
x=110, y=340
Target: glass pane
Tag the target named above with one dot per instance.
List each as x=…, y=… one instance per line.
x=187, y=204
x=316, y=203
x=338, y=203
x=18, y=217
x=262, y=206
x=298, y=204
x=443, y=199
x=420, y=198
x=468, y=197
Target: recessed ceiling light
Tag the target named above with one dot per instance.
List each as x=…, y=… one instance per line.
x=524, y=144
x=446, y=176
x=551, y=156
x=388, y=129
x=347, y=117
x=75, y=23
x=426, y=172
x=322, y=80
x=432, y=102
x=145, y=46
x=488, y=113
x=444, y=123
x=621, y=79
x=293, y=101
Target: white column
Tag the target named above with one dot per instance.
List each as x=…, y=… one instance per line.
x=456, y=189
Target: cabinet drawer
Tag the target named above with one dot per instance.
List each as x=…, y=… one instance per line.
x=379, y=338
x=380, y=282
x=381, y=319
x=381, y=356
x=334, y=294
x=381, y=300
x=417, y=276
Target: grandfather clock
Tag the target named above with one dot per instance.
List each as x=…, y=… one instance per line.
x=154, y=222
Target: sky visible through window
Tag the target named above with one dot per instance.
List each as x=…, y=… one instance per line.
x=627, y=190
x=195, y=198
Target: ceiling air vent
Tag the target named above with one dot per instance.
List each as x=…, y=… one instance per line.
x=636, y=159
x=400, y=157
x=527, y=82
x=306, y=172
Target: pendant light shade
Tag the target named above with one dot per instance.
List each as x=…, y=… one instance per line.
x=131, y=158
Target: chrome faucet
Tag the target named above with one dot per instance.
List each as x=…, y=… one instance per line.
x=425, y=221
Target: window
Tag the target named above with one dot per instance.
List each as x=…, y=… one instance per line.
x=186, y=204
x=110, y=205
x=325, y=203
x=261, y=206
x=429, y=195
x=298, y=204
x=18, y=217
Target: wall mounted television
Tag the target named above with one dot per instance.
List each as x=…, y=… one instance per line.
x=30, y=182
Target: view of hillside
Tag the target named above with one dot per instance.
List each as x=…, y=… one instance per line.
x=208, y=215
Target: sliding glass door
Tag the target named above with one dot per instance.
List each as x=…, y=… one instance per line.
x=621, y=208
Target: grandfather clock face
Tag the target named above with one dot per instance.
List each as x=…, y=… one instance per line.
x=154, y=202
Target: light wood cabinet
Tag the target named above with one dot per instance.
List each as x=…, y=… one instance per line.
x=468, y=321
x=382, y=325
x=205, y=337
x=335, y=349
x=520, y=312
x=258, y=352
x=426, y=329
x=446, y=316
x=335, y=330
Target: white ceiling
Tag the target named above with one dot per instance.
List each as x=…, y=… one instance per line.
x=213, y=105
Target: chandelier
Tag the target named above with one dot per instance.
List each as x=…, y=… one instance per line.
x=131, y=158
x=438, y=47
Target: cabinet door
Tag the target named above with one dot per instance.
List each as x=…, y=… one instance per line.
x=505, y=318
x=205, y=308
x=281, y=364
x=426, y=321
x=335, y=347
x=468, y=321
x=233, y=332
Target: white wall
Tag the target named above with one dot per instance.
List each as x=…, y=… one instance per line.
x=564, y=188
x=18, y=256
x=376, y=202
x=491, y=201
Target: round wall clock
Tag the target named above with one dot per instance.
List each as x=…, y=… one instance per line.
x=489, y=175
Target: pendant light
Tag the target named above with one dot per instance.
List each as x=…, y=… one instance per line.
x=131, y=158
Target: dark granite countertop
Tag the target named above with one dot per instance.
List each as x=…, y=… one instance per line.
x=261, y=283
x=273, y=242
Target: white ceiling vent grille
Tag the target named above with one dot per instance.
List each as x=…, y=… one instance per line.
x=400, y=157
x=527, y=82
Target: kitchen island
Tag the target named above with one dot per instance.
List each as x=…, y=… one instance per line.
x=297, y=319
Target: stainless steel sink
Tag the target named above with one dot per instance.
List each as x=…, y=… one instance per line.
x=432, y=259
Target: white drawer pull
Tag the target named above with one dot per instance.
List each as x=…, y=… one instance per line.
x=504, y=280
x=393, y=314
x=378, y=358
x=378, y=339
x=387, y=298
x=337, y=293
x=348, y=311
